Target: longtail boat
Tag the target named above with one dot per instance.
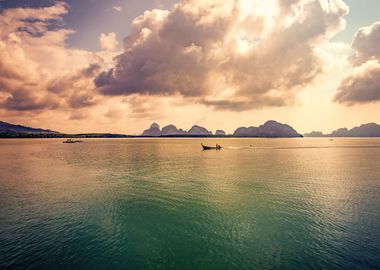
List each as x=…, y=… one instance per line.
x=218, y=147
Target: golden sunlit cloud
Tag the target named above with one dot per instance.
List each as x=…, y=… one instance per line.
x=262, y=51
x=198, y=62
x=363, y=84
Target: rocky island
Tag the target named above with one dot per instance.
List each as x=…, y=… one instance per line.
x=271, y=129
x=366, y=130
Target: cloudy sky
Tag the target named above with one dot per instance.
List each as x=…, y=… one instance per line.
x=118, y=65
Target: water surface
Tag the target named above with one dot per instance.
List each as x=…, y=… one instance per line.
x=165, y=204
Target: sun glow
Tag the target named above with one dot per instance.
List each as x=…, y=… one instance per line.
x=264, y=7
x=246, y=5
x=243, y=45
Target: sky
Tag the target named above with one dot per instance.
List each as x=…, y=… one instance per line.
x=119, y=65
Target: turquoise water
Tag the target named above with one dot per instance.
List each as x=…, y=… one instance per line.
x=165, y=204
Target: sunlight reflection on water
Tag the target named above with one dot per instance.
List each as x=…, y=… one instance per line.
x=165, y=203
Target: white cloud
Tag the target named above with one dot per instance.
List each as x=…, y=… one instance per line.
x=362, y=85
x=117, y=8
x=108, y=41
x=37, y=70
x=366, y=43
x=234, y=55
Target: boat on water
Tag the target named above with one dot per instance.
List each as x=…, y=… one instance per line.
x=72, y=141
x=205, y=147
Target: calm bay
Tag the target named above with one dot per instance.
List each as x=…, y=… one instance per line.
x=166, y=204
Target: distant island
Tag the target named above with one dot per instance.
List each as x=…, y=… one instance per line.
x=271, y=129
x=8, y=130
x=171, y=131
x=366, y=130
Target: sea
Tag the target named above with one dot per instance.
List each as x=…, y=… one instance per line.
x=139, y=203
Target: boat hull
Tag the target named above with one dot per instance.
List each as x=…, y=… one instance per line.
x=210, y=147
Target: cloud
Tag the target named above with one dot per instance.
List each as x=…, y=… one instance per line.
x=24, y=100
x=147, y=107
x=235, y=55
x=81, y=100
x=78, y=115
x=362, y=85
x=108, y=41
x=37, y=70
x=114, y=113
x=366, y=44
x=117, y=8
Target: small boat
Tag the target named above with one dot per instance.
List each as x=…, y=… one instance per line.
x=218, y=147
x=71, y=141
